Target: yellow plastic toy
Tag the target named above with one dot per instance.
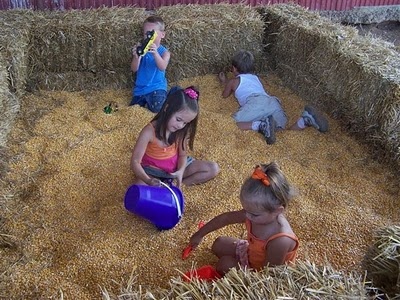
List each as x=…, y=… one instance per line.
x=146, y=43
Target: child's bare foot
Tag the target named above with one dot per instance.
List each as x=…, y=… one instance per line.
x=222, y=77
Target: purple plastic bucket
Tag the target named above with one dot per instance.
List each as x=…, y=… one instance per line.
x=163, y=206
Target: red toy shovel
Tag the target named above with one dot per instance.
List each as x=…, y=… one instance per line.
x=186, y=252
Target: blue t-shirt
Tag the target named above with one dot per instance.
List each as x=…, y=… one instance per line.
x=149, y=77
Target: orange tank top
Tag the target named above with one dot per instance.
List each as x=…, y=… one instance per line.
x=257, y=251
x=164, y=158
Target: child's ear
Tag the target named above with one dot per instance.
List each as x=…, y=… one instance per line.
x=279, y=210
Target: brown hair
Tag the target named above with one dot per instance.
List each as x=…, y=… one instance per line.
x=156, y=20
x=177, y=100
x=243, y=61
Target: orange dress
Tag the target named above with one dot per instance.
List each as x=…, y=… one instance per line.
x=257, y=254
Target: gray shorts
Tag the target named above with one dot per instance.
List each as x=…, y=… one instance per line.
x=260, y=107
x=158, y=173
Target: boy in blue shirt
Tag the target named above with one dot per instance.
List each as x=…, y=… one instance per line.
x=150, y=89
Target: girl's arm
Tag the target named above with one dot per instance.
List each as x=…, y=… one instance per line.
x=180, y=170
x=144, y=138
x=277, y=249
x=161, y=60
x=216, y=223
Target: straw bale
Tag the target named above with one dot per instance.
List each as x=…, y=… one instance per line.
x=15, y=39
x=9, y=105
x=70, y=170
x=203, y=38
x=382, y=261
x=97, y=41
x=355, y=78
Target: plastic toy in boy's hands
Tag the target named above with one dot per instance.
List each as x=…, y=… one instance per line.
x=146, y=43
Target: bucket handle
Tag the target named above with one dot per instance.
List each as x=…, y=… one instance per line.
x=178, y=206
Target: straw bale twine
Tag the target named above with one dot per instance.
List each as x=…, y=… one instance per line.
x=203, y=38
x=356, y=79
x=70, y=170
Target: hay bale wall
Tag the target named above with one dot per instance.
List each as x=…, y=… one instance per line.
x=354, y=78
x=8, y=103
x=91, y=49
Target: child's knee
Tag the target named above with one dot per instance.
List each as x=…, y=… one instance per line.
x=155, y=107
x=226, y=263
x=157, y=100
x=217, y=245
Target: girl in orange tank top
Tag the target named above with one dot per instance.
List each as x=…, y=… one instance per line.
x=160, y=151
x=270, y=239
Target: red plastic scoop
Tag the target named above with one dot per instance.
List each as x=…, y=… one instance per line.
x=186, y=252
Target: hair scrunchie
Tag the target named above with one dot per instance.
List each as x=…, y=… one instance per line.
x=259, y=174
x=191, y=93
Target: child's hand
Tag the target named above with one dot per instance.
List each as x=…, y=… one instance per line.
x=186, y=252
x=155, y=182
x=134, y=49
x=222, y=77
x=241, y=252
x=153, y=48
x=179, y=177
x=195, y=240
